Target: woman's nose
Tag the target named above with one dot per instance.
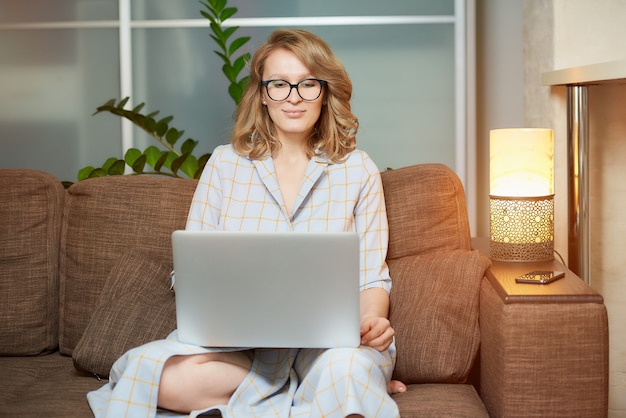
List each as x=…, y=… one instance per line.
x=294, y=96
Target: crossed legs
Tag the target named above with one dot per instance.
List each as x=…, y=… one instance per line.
x=195, y=382
x=199, y=381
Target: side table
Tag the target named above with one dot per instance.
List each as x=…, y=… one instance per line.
x=565, y=321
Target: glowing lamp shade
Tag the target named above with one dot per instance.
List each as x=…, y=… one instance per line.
x=521, y=194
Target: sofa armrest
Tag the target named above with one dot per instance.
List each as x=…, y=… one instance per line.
x=544, y=348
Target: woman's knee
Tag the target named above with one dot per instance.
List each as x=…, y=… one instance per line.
x=201, y=381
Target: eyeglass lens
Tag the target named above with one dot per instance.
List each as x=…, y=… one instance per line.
x=308, y=89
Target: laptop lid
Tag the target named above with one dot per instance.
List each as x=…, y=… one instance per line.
x=267, y=289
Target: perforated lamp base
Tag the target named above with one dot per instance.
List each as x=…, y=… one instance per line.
x=522, y=228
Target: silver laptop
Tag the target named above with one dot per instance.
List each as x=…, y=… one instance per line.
x=267, y=289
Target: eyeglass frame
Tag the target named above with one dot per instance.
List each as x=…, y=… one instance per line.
x=294, y=86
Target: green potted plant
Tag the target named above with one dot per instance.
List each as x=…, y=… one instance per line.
x=174, y=157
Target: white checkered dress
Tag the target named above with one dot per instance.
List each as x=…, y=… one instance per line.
x=236, y=193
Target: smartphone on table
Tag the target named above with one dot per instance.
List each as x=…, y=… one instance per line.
x=540, y=276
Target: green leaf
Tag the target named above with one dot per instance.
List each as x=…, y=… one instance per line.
x=108, y=163
x=189, y=165
x=201, y=164
x=218, y=41
x=207, y=15
x=131, y=156
x=138, y=119
x=219, y=33
x=160, y=128
x=229, y=72
x=235, y=91
x=167, y=119
x=98, y=172
x=169, y=160
x=138, y=108
x=178, y=162
x=173, y=135
x=239, y=64
x=203, y=159
x=229, y=31
x=139, y=164
x=219, y=5
x=188, y=146
x=153, y=154
x=117, y=168
x=237, y=43
x=227, y=12
x=149, y=125
x=105, y=107
x=223, y=57
x=161, y=161
x=123, y=102
x=84, y=173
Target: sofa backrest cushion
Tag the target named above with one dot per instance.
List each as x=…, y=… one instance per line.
x=136, y=306
x=436, y=277
x=434, y=311
x=426, y=210
x=104, y=219
x=31, y=206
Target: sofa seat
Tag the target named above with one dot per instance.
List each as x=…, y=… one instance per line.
x=44, y=386
x=440, y=400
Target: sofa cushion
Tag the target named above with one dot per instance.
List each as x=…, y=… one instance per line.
x=434, y=311
x=425, y=200
x=44, y=386
x=135, y=307
x=103, y=219
x=440, y=400
x=31, y=205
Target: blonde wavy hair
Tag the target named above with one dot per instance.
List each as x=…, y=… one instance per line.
x=335, y=131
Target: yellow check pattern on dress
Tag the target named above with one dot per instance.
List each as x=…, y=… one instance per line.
x=235, y=193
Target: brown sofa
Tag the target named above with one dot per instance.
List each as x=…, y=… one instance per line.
x=84, y=275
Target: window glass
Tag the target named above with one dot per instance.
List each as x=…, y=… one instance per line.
x=19, y=11
x=176, y=72
x=403, y=79
x=51, y=82
x=190, y=9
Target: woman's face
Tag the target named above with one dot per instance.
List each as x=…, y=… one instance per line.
x=293, y=118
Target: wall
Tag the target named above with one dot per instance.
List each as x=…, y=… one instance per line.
x=579, y=32
x=499, y=86
x=516, y=43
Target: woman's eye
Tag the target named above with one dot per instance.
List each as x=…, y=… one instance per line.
x=278, y=84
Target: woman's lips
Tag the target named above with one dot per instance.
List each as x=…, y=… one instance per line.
x=293, y=112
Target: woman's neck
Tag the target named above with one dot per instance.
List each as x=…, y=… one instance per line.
x=292, y=149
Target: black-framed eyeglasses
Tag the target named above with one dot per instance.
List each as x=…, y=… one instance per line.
x=308, y=89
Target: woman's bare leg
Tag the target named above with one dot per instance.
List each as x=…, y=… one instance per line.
x=202, y=380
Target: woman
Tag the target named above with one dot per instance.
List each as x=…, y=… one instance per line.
x=292, y=165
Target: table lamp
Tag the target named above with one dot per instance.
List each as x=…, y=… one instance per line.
x=521, y=194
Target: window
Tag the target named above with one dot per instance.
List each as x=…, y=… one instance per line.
x=62, y=59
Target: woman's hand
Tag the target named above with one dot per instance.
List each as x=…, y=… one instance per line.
x=376, y=332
